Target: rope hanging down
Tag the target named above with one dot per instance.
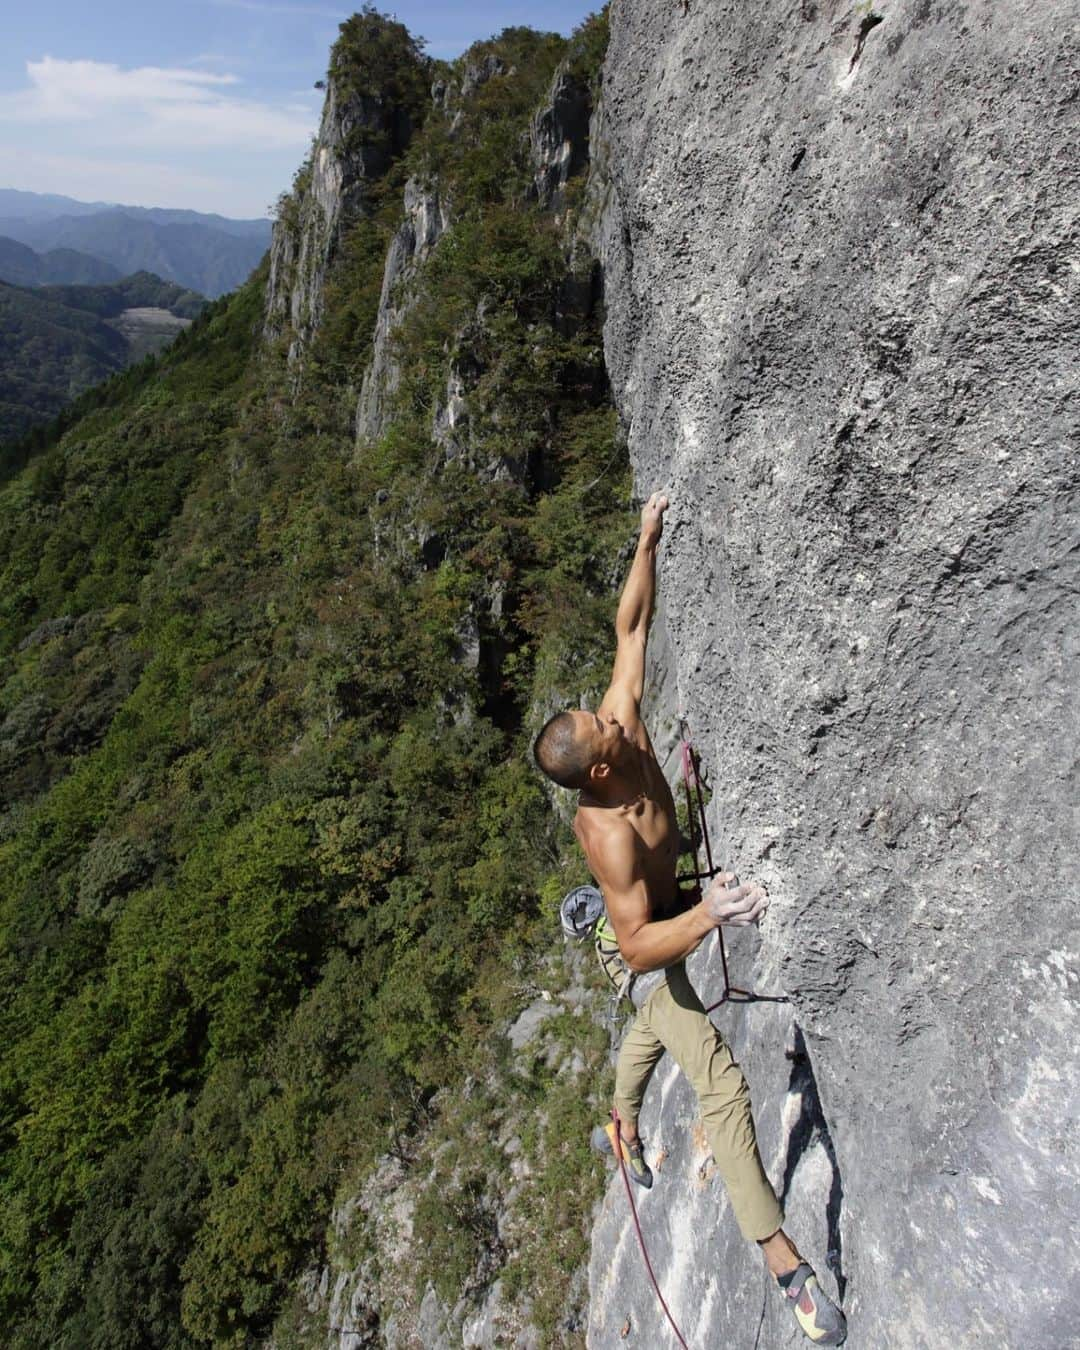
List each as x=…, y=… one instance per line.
x=695, y=810
x=640, y=1235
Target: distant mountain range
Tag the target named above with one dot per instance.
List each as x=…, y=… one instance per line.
x=57, y=341
x=21, y=266
x=86, y=288
x=209, y=254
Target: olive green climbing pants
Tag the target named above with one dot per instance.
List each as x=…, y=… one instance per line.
x=672, y=1018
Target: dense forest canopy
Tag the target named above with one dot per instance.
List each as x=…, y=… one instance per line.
x=274, y=863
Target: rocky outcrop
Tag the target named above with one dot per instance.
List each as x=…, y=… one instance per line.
x=559, y=137
x=372, y=1301
x=359, y=136
x=841, y=278
x=426, y=218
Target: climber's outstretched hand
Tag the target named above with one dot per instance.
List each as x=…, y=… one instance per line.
x=727, y=902
x=652, y=517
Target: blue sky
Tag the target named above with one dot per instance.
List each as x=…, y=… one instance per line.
x=207, y=104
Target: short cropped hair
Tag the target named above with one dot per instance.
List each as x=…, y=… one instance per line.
x=560, y=753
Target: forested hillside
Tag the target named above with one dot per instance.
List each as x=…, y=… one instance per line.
x=49, y=354
x=59, y=341
x=141, y=288
x=276, y=873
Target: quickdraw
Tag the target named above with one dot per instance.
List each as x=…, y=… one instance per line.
x=695, y=811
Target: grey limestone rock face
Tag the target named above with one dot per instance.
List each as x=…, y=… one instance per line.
x=841, y=272
x=530, y=1021
x=559, y=137
x=559, y=145
x=480, y=71
x=364, y=1304
x=451, y=421
x=495, y=1326
x=363, y=1291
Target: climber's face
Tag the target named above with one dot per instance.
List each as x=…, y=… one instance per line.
x=605, y=738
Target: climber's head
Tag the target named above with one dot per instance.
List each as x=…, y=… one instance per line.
x=578, y=749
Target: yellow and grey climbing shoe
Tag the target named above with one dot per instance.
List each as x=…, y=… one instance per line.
x=602, y=1140
x=818, y=1316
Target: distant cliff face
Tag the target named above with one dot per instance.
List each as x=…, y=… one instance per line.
x=841, y=286
x=346, y=156
x=480, y=379
x=372, y=109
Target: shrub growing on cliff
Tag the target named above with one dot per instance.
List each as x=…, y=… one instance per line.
x=377, y=59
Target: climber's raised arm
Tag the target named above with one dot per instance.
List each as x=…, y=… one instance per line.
x=623, y=698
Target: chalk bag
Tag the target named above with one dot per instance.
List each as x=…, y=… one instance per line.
x=580, y=912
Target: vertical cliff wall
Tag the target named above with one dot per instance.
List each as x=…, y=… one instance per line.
x=841, y=275
x=348, y=153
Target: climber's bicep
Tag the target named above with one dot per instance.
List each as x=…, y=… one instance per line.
x=616, y=866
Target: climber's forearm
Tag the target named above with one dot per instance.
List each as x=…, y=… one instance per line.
x=651, y=945
x=639, y=593
x=655, y=945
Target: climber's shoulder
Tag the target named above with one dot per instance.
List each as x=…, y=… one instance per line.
x=612, y=842
x=622, y=702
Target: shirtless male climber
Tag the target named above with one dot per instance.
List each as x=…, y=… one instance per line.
x=627, y=826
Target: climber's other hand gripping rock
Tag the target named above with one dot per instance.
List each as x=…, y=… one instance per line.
x=737, y=905
x=652, y=517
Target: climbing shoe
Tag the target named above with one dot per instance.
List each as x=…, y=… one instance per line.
x=602, y=1140
x=818, y=1316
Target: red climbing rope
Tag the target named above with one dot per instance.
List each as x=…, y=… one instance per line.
x=640, y=1235
x=695, y=808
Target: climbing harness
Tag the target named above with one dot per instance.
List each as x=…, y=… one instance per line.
x=640, y=1235
x=695, y=811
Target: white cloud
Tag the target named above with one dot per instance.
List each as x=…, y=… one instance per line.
x=155, y=107
x=63, y=90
